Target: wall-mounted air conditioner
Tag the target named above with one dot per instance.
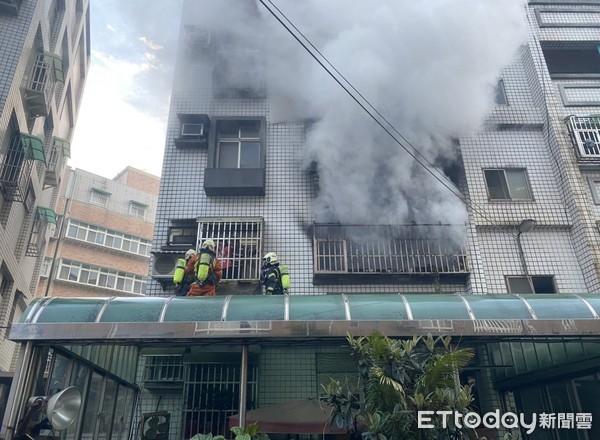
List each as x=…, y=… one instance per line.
x=164, y=265
x=192, y=130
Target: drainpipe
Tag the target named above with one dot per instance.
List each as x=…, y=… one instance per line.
x=243, y=386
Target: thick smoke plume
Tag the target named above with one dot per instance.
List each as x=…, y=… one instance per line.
x=430, y=67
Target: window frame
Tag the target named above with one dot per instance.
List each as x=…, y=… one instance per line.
x=531, y=280
x=99, y=198
x=506, y=184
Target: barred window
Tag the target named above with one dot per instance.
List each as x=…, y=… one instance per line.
x=239, y=245
x=101, y=277
x=99, y=198
x=107, y=238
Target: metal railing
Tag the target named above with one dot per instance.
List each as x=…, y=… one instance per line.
x=387, y=249
x=585, y=134
x=39, y=88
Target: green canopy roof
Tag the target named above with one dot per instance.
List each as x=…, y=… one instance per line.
x=294, y=315
x=46, y=215
x=32, y=146
x=56, y=64
x=64, y=144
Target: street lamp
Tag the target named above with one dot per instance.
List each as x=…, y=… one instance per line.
x=526, y=225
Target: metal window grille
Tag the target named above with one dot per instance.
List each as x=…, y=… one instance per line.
x=137, y=210
x=585, y=134
x=99, y=199
x=37, y=239
x=15, y=172
x=392, y=249
x=211, y=396
x=163, y=368
x=238, y=243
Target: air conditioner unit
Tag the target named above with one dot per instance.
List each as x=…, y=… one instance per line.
x=192, y=130
x=164, y=265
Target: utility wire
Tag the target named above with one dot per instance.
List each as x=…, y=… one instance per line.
x=415, y=154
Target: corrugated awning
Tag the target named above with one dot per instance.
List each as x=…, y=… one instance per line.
x=307, y=315
x=33, y=147
x=46, y=215
x=63, y=144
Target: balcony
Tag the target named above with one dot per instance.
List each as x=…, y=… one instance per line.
x=15, y=170
x=59, y=150
x=39, y=87
x=585, y=135
x=386, y=253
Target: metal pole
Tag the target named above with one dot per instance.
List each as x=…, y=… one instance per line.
x=524, y=263
x=16, y=397
x=243, y=386
x=58, y=244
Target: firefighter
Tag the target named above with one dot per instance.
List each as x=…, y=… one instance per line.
x=185, y=272
x=208, y=271
x=274, y=276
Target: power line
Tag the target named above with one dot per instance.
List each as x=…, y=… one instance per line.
x=415, y=154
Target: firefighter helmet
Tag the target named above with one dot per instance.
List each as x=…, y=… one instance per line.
x=271, y=258
x=189, y=253
x=209, y=244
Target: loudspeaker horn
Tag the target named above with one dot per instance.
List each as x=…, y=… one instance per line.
x=62, y=408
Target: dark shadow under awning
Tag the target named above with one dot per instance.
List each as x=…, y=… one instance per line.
x=318, y=316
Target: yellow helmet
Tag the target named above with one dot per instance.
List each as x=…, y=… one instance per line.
x=209, y=244
x=189, y=253
x=271, y=258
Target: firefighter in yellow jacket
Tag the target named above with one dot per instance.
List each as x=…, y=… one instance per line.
x=208, y=271
x=274, y=276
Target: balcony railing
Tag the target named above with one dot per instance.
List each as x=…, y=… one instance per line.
x=46, y=71
x=387, y=250
x=585, y=134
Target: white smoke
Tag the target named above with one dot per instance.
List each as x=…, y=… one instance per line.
x=429, y=67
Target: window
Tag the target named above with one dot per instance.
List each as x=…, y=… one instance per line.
x=594, y=184
x=183, y=234
x=531, y=284
x=108, y=238
x=95, y=276
x=239, y=245
x=238, y=144
x=46, y=266
x=501, y=93
x=99, y=197
x=163, y=368
x=137, y=209
x=572, y=59
x=10, y=7
x=507, y=184
x=17, y=165
x=37, y=239
x=236, y=162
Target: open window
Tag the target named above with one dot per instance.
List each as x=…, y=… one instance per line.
x=531, y=284
x=572, y=59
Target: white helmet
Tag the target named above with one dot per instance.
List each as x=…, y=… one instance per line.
x=209, y=244
x=189, y=253
x=271, y=258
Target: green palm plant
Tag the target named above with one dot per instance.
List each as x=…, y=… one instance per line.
x=397, y=378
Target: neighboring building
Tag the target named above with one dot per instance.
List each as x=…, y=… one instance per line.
x=101, y=245
x=521, y=289
x=45, y=54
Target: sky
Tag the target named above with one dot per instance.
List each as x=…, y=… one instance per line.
x=123, y=114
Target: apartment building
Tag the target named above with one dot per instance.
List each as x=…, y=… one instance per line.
x=489, y=236
x=44, y=63
x=101, y=245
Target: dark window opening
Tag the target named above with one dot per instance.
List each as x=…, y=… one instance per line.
x=531, y=284
x=572, y=61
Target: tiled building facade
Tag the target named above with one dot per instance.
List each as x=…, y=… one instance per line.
x=102, y=241
x=528, y=162
x=43, y=65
